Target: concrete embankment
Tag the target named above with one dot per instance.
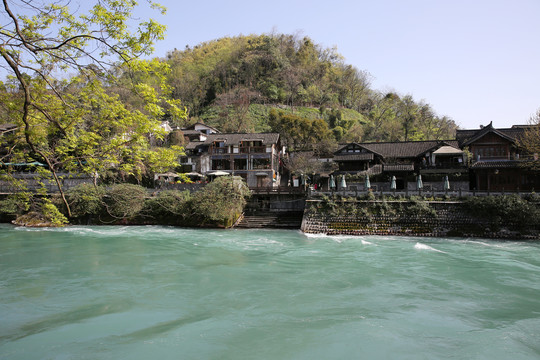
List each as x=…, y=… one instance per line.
x=436, y=218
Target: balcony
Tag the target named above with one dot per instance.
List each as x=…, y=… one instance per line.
x=252, y=149
x=218, y=150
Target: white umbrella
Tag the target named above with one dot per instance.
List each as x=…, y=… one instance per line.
x=419, y=183
x=367, y=183
x=218, y=173
x=343, y=183
x=393, y=183
x=446, y=183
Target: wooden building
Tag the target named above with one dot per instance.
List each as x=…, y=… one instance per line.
x=404, y=160
x=254, y=157
x=498, y=163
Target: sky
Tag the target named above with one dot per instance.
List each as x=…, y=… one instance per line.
x=476, y=61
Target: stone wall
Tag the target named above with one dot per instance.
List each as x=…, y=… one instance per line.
x=434, y=219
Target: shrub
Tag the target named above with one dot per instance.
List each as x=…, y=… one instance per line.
x=86, y=199
x=15, y=204
x=222, y=199
x=511, y=210
x=124, y=201
x=169, y=205
x=383, y=208
x=418, y=207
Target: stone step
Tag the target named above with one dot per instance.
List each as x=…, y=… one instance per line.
x=271, y=220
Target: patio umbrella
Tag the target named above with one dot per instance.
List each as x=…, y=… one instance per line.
x=393, y=183
x=446, y=183
x=332, y=182
x=218, y=173
x=343, y=183
x=419, y=184
x=367, y=183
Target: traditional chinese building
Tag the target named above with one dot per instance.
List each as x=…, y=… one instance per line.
x=404, y=160
x=254, y=157
x=498, y=163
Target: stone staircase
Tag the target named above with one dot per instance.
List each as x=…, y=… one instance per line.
x=276, y=220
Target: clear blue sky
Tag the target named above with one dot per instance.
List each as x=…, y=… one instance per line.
x=475, y=61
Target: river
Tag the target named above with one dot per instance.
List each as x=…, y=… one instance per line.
x=170, y=293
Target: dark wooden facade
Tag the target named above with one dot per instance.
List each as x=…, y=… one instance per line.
x=498, y=163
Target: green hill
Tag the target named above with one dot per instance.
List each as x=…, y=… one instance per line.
x=234, y=82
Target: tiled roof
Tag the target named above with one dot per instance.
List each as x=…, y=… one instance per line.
x=375, y=170
x=343, y=146
x=407, y=149
x=237, y=138
x=465, y=137
x=497, y=164
x=193, y=145
x=192, y=127
x=191, y=132
x=354, y=157
x=399, y=167
x=448, y=150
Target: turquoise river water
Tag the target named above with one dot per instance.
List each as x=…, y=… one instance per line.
x=170, y=293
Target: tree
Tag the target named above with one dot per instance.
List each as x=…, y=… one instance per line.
x=408, y=111
x=64, y=121
x=235, y=109
x=354, y=87
x=298, y=132
x=383, y=125
x=530, y=140
x=355, y=133
x=307, y=162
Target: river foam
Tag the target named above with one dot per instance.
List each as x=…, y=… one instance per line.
x=420, y=246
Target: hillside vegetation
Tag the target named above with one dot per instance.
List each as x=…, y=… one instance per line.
x=233, y=83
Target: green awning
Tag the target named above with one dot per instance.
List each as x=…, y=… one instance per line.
x=35, y=163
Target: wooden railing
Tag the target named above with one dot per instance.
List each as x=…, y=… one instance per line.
x=241, y=150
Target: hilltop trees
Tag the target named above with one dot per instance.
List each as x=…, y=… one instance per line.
x=282, y=68
x=291, y=73
x=78, y=123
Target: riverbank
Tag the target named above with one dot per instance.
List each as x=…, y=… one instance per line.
x=224, y=206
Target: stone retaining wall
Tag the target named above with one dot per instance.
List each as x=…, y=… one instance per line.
x=449, y=219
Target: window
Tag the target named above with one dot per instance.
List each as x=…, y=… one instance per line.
x=261, y=164
x=487, y=152
x=221, y=164
x=240, y=164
